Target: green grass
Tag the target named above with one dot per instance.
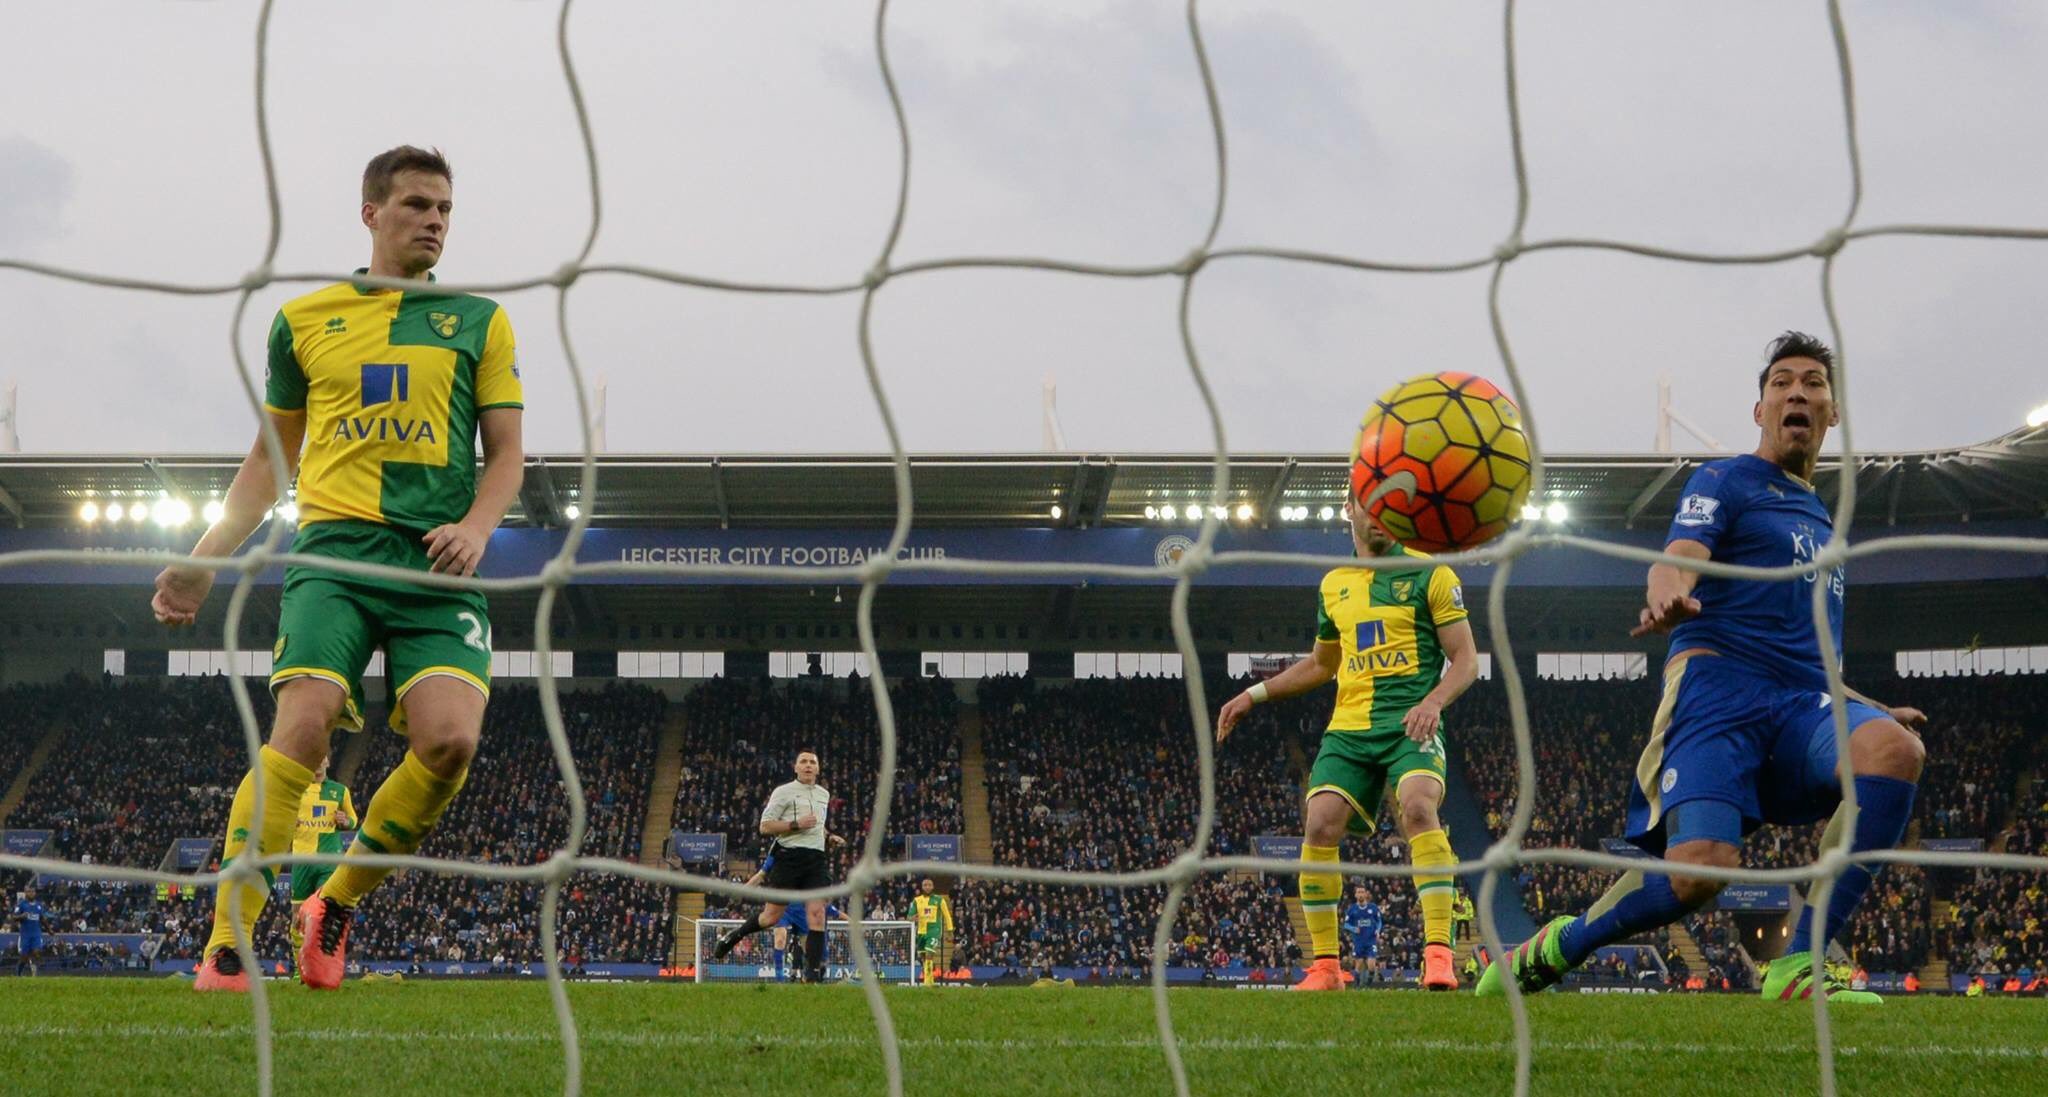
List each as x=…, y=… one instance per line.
x=124, y=1036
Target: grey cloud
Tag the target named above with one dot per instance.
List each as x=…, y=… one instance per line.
x=38, y=185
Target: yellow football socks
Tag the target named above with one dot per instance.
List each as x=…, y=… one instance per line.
x=403, y=811
x=284, y=783
x=1319, y=899
x=1434, y=890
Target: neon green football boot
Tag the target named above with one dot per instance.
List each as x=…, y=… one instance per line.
x=1538, y=963
x=1789, y=978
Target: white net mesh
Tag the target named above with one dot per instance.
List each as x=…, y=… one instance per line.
x=1506, y=853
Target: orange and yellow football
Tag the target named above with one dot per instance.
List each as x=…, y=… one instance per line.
x=1441, y=462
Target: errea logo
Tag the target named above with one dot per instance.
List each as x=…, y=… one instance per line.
x=336, y=325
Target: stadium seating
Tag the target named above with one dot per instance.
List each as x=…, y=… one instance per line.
x=1097, y=774
x=514, y=811
x=1101, y=775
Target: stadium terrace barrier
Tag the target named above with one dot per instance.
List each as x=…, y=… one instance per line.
x=140, y=945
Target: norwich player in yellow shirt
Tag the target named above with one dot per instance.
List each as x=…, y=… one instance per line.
x=380, y=398
x=1401, y=650
x=324, y=812
x=931, y=917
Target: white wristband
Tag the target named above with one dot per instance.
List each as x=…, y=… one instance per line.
x=1257, y=693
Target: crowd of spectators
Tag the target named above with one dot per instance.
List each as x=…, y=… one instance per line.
x=1998, y=926
x=143, y=762
x=1095, y=775
x=514, y=811
x=148, y=761
x=1101, y=775
x=28, y=713
x=1719, y=941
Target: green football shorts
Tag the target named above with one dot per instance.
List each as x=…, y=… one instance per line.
x=929, y=944
x=331, y=624
x=306, y=880
x=1357, y=765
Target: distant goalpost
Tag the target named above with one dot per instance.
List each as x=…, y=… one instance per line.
x=891, y=944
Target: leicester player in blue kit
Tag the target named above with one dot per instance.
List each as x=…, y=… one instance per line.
x=1745, y=733
x=789, y=960
x=28, y=922
x=788, y=931
x=1362, y=922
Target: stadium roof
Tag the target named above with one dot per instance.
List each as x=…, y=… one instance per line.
x=2000, y=480
x=2005, y=478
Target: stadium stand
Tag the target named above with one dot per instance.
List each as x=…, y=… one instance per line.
x=1089, y=774
x=1101, y=775
x=514, y=812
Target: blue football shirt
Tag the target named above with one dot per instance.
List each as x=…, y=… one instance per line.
x=30, y=911
x=1363, y=921
x=1748, y=511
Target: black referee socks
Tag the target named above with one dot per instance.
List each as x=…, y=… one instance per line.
x=814, y=956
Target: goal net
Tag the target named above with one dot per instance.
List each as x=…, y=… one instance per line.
x=1182, y=270
x=891, y=944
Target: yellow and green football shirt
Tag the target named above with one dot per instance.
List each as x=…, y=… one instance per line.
x=928, y=912
x=324, y=812
x=1387, y=624
x=391, y=383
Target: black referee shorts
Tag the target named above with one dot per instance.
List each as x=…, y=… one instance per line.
x=797, y=868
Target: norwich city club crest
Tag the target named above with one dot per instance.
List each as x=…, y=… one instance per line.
x=445, y=324
x=1403, y=588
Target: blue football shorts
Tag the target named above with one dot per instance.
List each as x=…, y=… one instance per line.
x=1746, y=749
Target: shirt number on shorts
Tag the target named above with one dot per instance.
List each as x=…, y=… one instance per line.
x=479, y=635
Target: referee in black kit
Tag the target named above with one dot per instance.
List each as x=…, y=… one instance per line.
x=795, y=818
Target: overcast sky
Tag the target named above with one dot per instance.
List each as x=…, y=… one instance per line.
x=753, y=141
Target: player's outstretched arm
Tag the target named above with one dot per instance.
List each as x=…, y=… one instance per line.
x=1910, y=718
x=181, y=589
x=1669, y=602
x=1306, y=674
x=458, y=547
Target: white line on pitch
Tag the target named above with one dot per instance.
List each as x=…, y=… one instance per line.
x=946, y=1043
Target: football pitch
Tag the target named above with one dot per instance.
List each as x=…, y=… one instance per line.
x=127, y=1036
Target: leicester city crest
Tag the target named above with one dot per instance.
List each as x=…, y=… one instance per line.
x=1170, y=549
x=445, y=324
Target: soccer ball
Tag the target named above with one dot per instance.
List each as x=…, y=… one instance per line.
x=1441, y=462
